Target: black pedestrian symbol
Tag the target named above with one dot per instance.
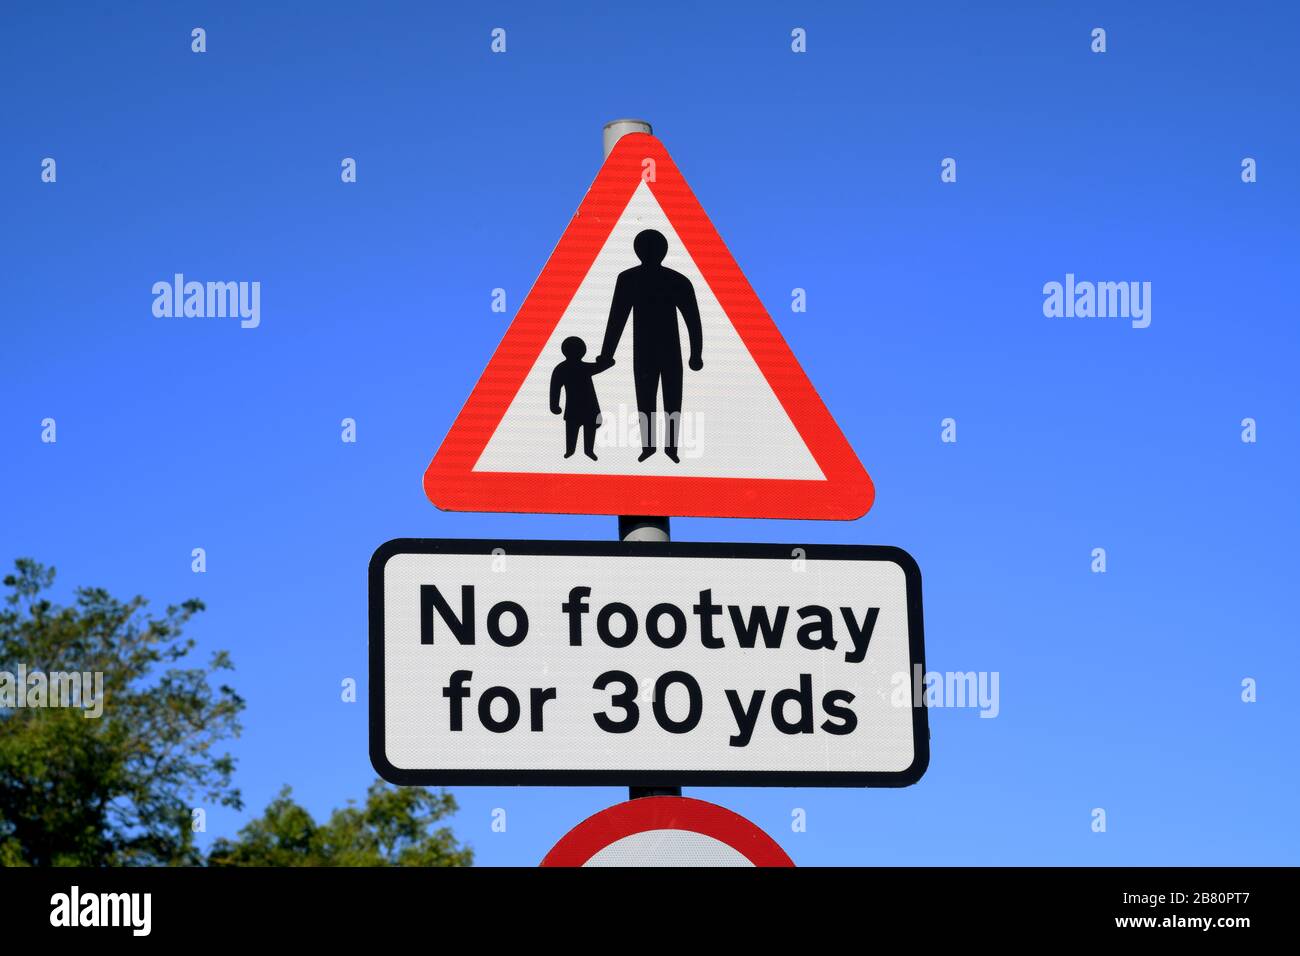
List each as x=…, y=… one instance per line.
x=581, y=407
x=653, y=295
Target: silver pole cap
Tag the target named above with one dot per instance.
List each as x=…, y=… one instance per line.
x=617, y=129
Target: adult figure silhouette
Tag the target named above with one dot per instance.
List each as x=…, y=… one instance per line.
x=653, y=295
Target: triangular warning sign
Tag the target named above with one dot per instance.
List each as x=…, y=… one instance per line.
x=642, y=376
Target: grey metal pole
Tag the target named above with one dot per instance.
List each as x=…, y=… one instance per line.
x=634, y=527
x=638, y=527
x=617, y=129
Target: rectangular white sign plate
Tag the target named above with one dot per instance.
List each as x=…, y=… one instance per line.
x=643, y=664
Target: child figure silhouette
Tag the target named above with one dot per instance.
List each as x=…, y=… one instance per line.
x=581, y=407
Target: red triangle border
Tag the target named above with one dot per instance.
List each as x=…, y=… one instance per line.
x=452, y=484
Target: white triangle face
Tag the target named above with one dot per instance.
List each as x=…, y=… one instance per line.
x=732, y=425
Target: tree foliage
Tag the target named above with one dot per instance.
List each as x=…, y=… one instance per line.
x=113, y=790
x=118, y=789
x=395, y=827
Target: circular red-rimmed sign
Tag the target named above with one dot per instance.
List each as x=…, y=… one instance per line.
x=666, y=831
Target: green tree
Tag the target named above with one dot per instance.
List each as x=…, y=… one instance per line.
x=116, y=790
x=395, y=827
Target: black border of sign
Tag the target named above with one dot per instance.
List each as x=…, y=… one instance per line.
x=638, y=778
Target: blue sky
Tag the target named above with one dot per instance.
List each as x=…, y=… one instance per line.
x=821, y=171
